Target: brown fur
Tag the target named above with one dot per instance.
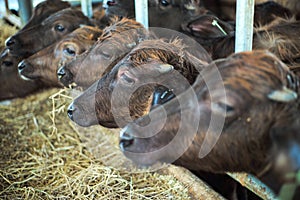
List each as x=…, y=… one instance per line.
x=140, y=64
x=245, y=144
x=281, y=39
x=29, y=41
x=12, y=85
x=43, y=65
x=116, y=40
x=44, y=10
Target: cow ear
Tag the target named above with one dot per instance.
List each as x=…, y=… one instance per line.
x=283, y=95
x=164, y=68
x=208, y=26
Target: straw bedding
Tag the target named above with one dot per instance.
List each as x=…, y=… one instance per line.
x=43, y=157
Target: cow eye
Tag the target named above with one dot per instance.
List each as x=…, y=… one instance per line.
x=127, y=79
x=7, y=63
x=69, y=51
x=59, y=28
x=164, y=2
x=106, y=55
x=111, y=2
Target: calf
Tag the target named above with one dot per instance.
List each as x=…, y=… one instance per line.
x=225, y=122
x=11, y=84
x=280, y=38
x=161, y=13
x=116, y=41
x=126, y=92
x=43, y=65
x=44, y=10
x=53, y=28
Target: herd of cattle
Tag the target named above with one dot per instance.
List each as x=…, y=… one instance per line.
x=129, y=74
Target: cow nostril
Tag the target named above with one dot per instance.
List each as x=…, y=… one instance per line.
x=9, y=42
x=70, y=111
x=126, y=140
x=61, y=72
x=21, y=65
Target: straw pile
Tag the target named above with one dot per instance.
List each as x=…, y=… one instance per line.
x=42, y=157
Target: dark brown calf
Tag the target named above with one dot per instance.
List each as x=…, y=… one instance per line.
x=11, y=84
x=225, y=122
x=117, y=40
x=43, y=65
x=161, y=13
x=44, y=10
x=280, y=38
x=53, y=28
x=128, y=90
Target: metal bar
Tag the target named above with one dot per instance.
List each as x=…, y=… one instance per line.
x=141, y=12
x=244, y=25
x=253, y=184
x=87, y=8
x=6, y=5
x=25, y=10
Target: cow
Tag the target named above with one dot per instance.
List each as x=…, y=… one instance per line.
x=280, y=38
x=43, y=10
x=11, y=84
x=51, y=29
x=150, y=65
x=225, y=122
x=114, y=43
x=161, y=12
x=43, y=65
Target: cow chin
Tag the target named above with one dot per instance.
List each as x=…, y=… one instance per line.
x=85, y=121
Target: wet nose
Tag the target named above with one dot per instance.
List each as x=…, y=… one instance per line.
x=61, y=72
x=10, y=41
x=126, y=139
x=21, y=65
x=70, y=111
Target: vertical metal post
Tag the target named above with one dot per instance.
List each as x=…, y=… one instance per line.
x=25, y=10
x=141, y=12
x=244, y=25
x=87, y=8
x=6, y=5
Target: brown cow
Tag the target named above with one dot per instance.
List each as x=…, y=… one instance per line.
x=44, y=10
x=117, y=40
x=11, y=84
x=53, y=28
x=43, y=65
x=148, y=67
x=250, y=94
x=280, y=38
x=9, y=63
x=161, y=13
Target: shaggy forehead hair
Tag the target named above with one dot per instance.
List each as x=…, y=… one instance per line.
x=257, y=72
x=118, y=25
x=167, y=52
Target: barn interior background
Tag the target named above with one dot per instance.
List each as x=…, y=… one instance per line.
x=46, y=156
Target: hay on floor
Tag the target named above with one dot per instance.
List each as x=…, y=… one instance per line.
x=43, y=157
